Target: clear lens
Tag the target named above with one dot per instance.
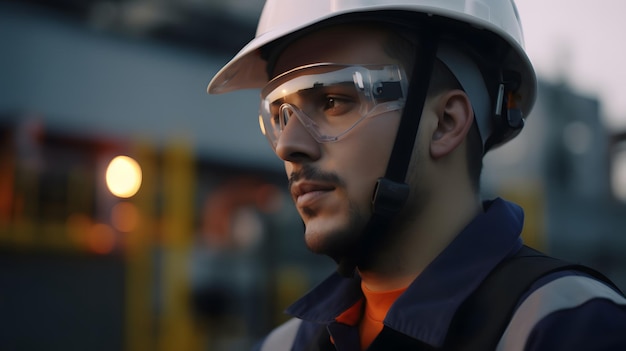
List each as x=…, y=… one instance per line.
x=329, y=100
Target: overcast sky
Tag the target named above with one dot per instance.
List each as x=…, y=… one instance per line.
x=584, y=43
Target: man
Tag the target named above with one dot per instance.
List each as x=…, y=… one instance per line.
x=382, y=111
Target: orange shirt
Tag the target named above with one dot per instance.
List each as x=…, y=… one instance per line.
x=377, y=303
x=369, y=317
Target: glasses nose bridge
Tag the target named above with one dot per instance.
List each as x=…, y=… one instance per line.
x=295, y=140
x=285, y=112
x=288, y=111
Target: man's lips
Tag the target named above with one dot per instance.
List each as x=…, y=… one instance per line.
x=304, y=192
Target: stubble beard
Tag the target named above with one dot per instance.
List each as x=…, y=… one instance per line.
x=334, y=242
x=341, y=241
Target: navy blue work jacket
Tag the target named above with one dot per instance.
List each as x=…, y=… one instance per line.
x=424, y=312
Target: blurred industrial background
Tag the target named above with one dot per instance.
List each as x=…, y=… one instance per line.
x=139, y=213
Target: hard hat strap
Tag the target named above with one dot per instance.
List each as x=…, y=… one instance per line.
x=471, y=80
x=391, y=192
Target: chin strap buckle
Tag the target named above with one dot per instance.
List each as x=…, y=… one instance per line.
x=389, y=197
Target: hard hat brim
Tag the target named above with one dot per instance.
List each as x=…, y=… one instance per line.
x=247, y=69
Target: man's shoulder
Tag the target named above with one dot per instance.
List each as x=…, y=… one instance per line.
x=282, y=337
x=567, y=306
x=528, y=289
x=296, y=334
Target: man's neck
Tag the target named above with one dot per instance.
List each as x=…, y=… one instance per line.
x=419, y=242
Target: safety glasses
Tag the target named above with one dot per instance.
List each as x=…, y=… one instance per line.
x=329, y=100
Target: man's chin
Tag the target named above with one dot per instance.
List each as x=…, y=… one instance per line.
x=335, y=244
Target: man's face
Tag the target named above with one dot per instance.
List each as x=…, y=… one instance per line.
x=332, y=183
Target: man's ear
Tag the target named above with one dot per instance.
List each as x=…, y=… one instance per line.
x=454, y=120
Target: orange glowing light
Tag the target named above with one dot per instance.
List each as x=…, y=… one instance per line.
x=123, y=176
x=101, y=239
x=125, y=217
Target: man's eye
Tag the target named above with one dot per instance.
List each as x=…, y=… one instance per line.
x=330, y=103
x=335, y=105
x=275, y=119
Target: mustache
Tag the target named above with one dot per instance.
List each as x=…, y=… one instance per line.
x=313, y=174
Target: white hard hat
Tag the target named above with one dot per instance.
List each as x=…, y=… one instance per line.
x=280, y=18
